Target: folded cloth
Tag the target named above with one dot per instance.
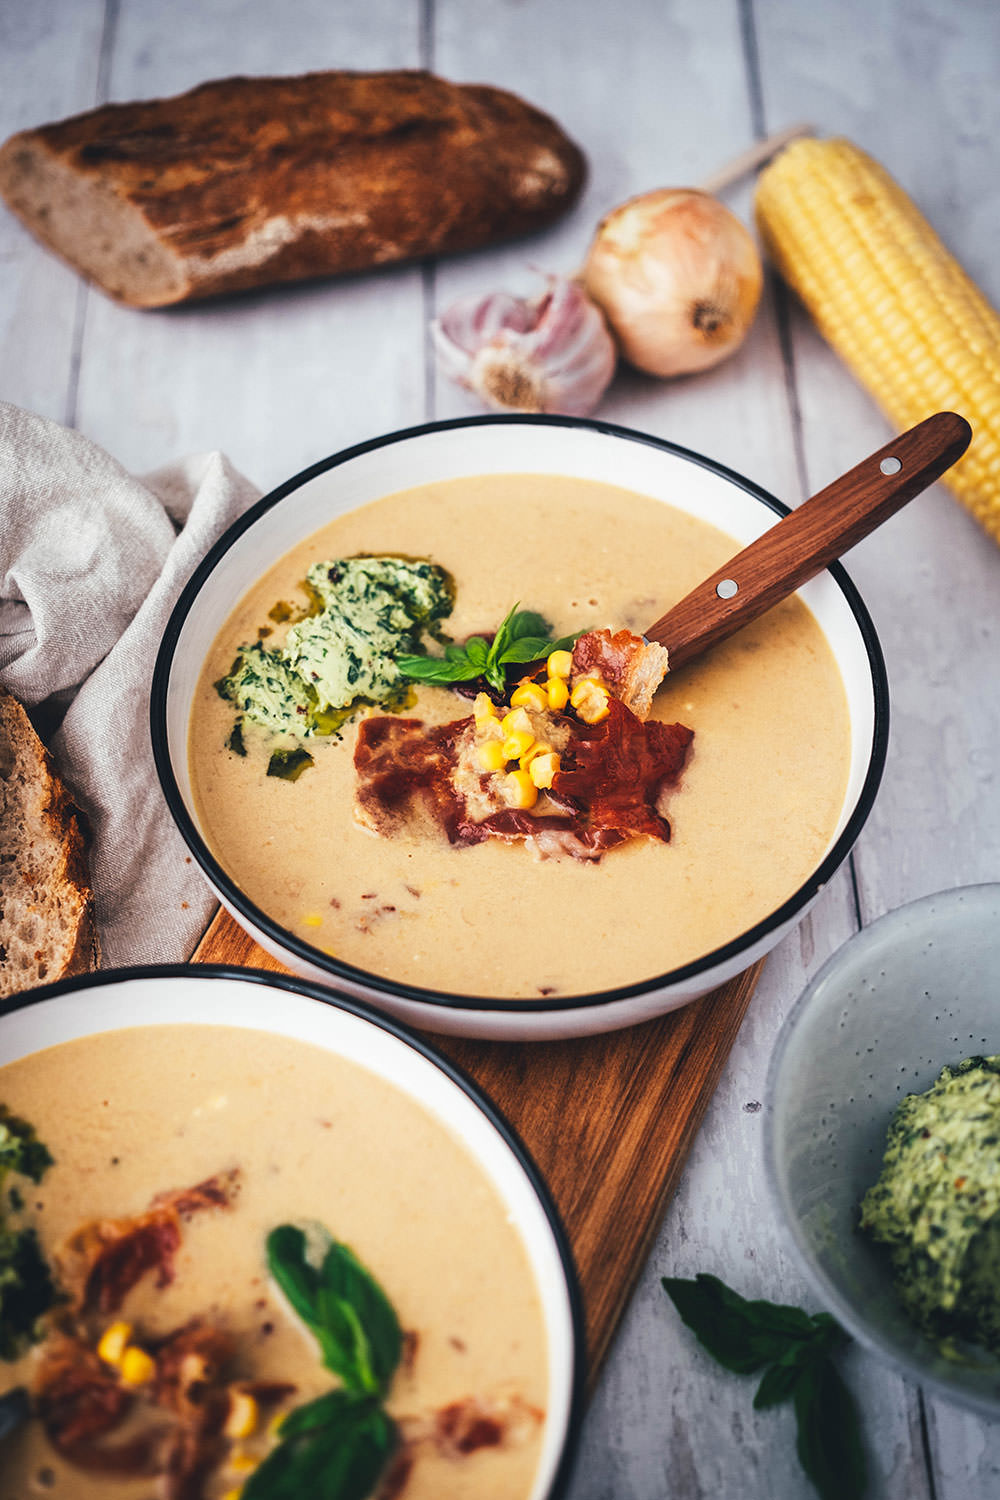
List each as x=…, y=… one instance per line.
x=92, y=561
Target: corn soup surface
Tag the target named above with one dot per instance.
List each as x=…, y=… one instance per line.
x=754, y=812
x=129, y=1114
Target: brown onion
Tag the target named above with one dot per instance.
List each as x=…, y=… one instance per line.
x=678, y=278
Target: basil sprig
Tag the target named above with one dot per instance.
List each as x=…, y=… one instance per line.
x=523, y=636
x=794, y=1350
x=333, y=1448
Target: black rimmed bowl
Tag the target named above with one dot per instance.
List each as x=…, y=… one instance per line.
x=245, y=1001
x=563, y=446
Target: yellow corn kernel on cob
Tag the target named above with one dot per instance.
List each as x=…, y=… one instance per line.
x=891, y=300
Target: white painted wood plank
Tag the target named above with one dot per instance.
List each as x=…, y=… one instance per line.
x=626, y=85
x=920, y=95
x=281, y=378
x=49, y=65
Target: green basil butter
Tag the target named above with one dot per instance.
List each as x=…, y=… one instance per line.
x=368, y=611
x=936, y=1204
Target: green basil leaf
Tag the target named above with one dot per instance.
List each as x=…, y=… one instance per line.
x=325, y=1410
x=778, y=1381
x=524, y=622
x=829, y=1433
x=477, y=650
x=378, y=1337
x=286, y=1259
x=343, y=1306
x=340, y=1457
x=528, y=648
x=741, y=1335
x=438, y=668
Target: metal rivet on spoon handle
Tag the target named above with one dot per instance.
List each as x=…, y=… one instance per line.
x=811, y=537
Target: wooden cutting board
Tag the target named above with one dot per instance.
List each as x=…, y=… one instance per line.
x=609, y=1119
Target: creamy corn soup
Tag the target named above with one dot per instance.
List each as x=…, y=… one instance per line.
x=753, y=813
x=303, y=1137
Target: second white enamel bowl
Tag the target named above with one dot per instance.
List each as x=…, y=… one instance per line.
x=498, y=445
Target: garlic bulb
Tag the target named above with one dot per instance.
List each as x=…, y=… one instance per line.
x=551, y=354
x=678, y=277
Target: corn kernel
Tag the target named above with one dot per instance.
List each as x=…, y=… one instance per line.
x=517, y=719
x=517, y=742
x=594, y=708
x=585, y=688
x=233, y=1494
x=543, y=770
x=312, y=920
x=241, y=1419
x=519, y=789
x=557, y=693
x=113, y=1342
x=242, y=1463
x=491, y=755
x=136, y=1367
x=538, y=748
x=559, y=664
x=529, y=695
x=482, y=708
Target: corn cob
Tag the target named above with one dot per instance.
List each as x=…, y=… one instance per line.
x=891, y=300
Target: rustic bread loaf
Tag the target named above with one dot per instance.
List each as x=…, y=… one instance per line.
x=247, y=181
x=47, y=926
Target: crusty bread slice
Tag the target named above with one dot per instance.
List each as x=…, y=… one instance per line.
x=244, y=182
x=47, y=928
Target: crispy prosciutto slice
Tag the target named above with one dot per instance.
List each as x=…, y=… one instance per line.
x=608, y=790
x=81, y=1404
x=631, y=667
x=105, y=1258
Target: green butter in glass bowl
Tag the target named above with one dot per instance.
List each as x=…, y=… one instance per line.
x=884, y=1092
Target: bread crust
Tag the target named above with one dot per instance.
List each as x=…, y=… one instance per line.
x=243, y=182
x=47, y=924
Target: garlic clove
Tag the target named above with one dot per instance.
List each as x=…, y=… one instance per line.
x=550, y=354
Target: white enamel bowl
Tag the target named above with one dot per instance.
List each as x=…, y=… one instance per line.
x=496, y=445
x=286, y=1007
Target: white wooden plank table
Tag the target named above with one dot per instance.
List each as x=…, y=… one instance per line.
x=656, y=94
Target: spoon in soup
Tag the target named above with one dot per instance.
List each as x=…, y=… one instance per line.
x=810, y=537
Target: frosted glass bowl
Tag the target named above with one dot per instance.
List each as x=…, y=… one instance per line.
x=915, y=990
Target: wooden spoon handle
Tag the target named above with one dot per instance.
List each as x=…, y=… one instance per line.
x=805, y=541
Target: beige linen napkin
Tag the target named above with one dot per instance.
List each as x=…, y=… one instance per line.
x=92, y=560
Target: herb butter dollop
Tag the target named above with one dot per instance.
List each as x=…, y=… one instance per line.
x=936, y=1204
x=366, y=611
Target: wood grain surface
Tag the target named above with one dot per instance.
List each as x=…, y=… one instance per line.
x=608, y=1119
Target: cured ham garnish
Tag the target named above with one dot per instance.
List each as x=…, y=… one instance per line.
x=612, y=778
x=82, y=1406
x=463, y=1427
x=80, y=1402
x=631, y=667
x=104, y=1259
